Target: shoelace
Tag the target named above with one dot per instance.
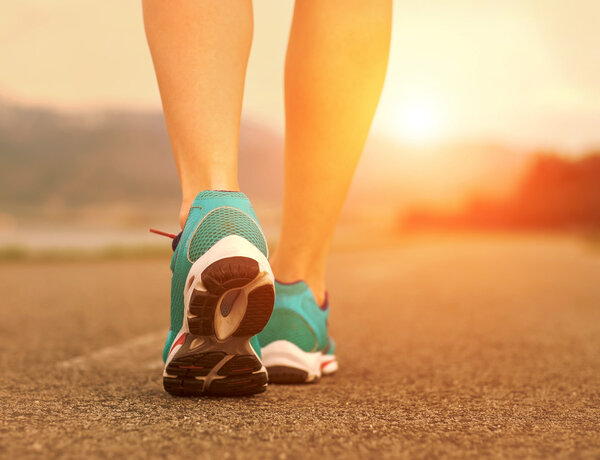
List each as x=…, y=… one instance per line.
x=174, y=237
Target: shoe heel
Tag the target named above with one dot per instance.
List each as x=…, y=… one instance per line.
x=228, y=298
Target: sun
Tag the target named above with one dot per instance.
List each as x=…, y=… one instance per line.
x=419, y=120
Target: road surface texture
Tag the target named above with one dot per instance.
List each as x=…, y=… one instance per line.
x=457, y=347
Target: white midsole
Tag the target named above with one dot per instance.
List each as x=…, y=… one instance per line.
x=230, y=246
x=284, y=353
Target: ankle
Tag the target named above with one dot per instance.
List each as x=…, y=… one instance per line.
x=287, y=273
x=186, y=205
x=317, y=288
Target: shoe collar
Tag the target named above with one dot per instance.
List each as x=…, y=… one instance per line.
x=300, y=287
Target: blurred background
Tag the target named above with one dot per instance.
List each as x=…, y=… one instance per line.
x=463, y=276
x=489, y=121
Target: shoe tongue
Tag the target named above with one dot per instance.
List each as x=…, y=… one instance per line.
x=175, y=241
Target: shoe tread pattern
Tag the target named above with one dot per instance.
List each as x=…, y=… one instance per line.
x=286, y=375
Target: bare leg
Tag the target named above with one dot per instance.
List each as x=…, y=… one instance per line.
x=200, y=50
x=336, y=62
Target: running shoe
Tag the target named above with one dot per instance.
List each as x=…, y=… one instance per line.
x=295, y=345
x=222, y=294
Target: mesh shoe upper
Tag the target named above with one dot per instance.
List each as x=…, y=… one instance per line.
x=221, y=222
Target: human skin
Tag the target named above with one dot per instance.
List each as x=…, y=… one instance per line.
x=200, y=52
x=335, y=68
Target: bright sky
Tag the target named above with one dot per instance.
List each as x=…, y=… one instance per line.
x=522, y=72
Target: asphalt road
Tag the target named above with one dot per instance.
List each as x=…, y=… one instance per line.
x=457, y=347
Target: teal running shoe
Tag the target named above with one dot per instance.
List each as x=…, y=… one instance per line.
x=295, y=345
x=222, y=294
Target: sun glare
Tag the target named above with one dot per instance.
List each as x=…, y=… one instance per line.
x=419, y=120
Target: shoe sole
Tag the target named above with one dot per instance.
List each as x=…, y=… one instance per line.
x=286, y=363
x=227, y=301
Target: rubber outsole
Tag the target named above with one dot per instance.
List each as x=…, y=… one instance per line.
x=287, y=375
x=207, y=365
x=239, y=375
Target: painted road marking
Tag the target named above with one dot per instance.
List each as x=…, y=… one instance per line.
x=154, y=339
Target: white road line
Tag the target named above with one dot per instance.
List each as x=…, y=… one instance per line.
x=112, y=351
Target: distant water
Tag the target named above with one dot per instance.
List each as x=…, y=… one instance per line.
x=79, y=239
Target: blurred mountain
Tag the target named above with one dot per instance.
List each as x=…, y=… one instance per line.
x=52, y=162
